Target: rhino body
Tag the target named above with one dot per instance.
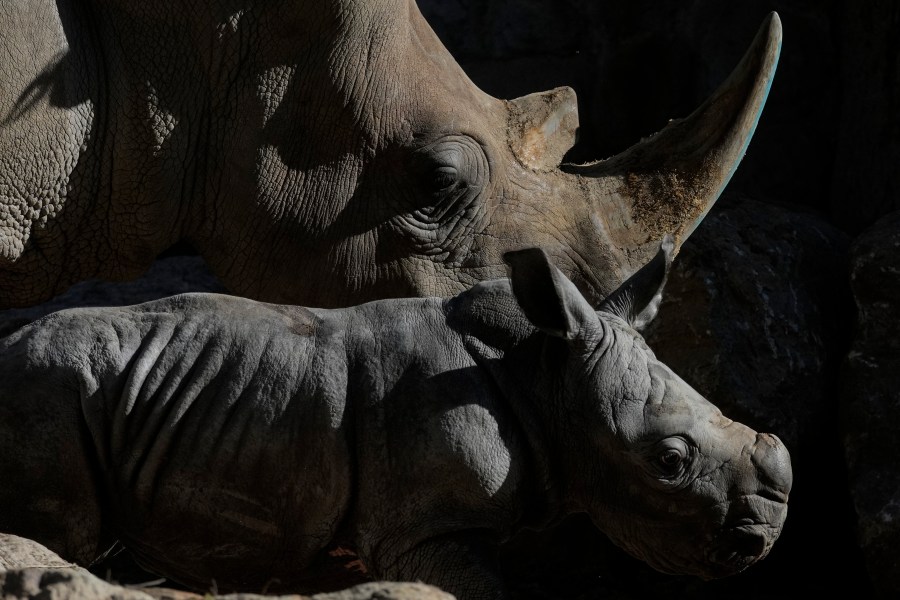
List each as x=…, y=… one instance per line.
x=224, y=439
x=319, y=152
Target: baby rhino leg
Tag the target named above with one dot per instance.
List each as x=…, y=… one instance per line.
x=47, y=479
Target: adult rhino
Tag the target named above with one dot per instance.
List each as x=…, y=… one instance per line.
x=319, y=152
x=225, y=439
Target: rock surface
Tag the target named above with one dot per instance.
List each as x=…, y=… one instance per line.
x=871, y=401
x=30, y=570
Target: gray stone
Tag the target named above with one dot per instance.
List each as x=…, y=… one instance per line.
x=61, y=584
x=380, y=590
x=871, y=401
x=30, y=570
x=755, y=315
x=21, y=553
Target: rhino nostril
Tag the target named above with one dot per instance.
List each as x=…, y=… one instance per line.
x=750, y=545
x=772, y=495
x=740, y=549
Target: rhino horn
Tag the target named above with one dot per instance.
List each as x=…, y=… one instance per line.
x=543, y=127
x=669, y=181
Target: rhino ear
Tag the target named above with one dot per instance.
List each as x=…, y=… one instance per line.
x=543, y=127
x=550, y=301
x=637, y=300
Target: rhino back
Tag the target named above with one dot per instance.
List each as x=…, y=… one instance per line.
x=218, y=443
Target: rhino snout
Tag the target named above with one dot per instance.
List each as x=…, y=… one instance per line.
x=773, y=467
x=757, y=514
x=738, y=548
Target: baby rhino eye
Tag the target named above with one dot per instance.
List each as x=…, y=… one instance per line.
x=671, y=455
x=670, y=458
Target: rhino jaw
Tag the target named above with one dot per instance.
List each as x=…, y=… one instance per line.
x=668, y=182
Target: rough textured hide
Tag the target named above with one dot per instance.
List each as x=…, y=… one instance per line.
x=323, y=152
x=224, y=439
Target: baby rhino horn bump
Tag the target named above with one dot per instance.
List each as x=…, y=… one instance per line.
x=543, y=127
x=773, y=464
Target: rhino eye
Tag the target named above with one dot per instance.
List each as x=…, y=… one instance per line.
x=444, y=178
x=671, y=456
x=450, y=167
x=440, y=198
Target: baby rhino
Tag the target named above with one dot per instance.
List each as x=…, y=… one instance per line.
x=224, y=439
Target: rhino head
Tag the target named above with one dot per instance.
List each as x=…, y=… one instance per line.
x=659, y=468
x=430, y=180
x=323, y=153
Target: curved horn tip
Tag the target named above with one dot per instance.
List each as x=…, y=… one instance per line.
x=773, y=24
x=770, y=34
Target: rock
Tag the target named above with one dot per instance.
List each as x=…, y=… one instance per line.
x=871, y=401
x=754, y=316
x=21, y=553
x=30, y=570
x=376, y=590
x=381, y=590
x=62, y=584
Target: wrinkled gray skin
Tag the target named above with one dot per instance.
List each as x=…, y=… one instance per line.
x=222, y=438
x=319, y=152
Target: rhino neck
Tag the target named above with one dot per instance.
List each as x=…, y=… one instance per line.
x=503, y=343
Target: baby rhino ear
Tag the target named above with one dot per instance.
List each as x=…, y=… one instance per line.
x=637, y=300
x=550, y=301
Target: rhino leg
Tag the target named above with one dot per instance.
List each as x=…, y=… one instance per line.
x=47, y=482
x=464, y=564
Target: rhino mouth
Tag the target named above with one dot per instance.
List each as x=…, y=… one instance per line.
x=738, y=547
